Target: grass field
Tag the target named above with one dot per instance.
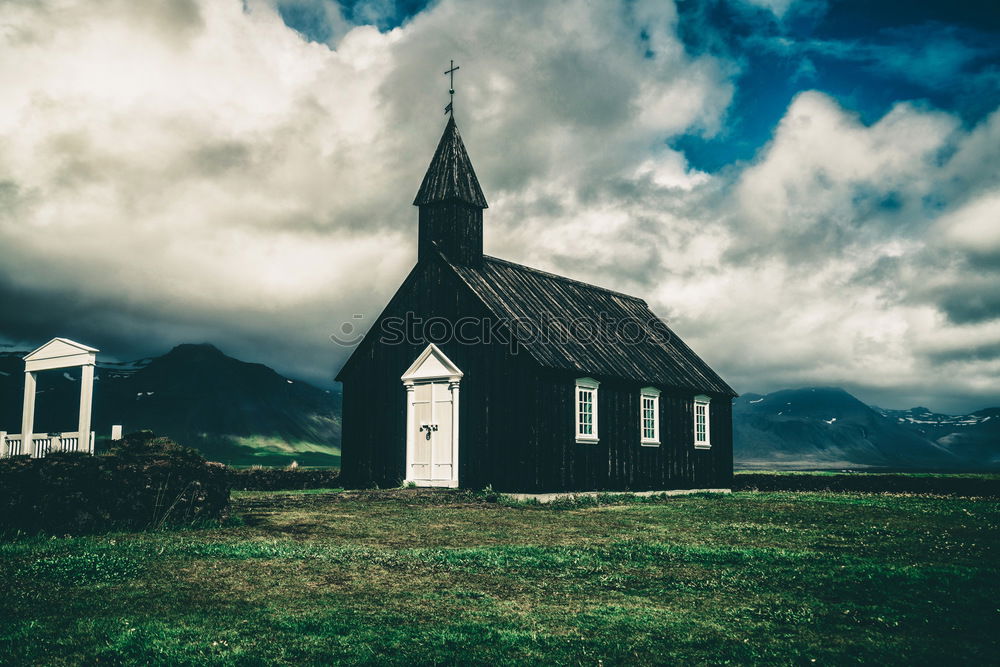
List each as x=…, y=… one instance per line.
x=873, y=471
x=411, y=577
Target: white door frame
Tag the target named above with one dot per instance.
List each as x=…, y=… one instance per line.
x=431, y=366
x=57, y=353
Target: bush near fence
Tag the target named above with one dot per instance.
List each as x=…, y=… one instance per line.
x=142, y=482
x=282, y=479
x=869, y=483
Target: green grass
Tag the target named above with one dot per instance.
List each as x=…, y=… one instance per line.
x=411, y=577
x=287, y=492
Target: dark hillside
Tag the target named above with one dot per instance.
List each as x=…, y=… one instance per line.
x=233, y=411
x=827, y=427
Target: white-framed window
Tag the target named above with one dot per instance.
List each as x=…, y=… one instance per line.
x=649, y=416
x=586, y=409
x=702, y=429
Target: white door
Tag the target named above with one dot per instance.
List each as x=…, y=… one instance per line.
x=431, y=385
x=432, y=442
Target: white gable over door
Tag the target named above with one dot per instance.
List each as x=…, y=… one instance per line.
x=432, y=364
x=60, y=353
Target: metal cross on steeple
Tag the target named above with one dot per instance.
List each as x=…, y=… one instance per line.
x=451, y=89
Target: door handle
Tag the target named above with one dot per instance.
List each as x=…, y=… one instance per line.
x=428, y=428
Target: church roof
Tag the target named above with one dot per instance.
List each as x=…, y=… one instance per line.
x=450, y=175
x=635, y=344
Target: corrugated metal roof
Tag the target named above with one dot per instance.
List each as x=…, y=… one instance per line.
x=633, y=342
x=450, y=175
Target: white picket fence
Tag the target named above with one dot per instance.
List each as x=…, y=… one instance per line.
x=43, y=444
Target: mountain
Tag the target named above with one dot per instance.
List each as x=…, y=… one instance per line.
x=973, y=437
x=823, y=427
x=233, y=411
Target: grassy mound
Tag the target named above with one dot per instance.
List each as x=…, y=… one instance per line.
x=143, y=482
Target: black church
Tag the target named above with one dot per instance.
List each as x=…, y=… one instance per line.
x=484, y=372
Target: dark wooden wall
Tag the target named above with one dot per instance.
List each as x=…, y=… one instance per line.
x=454, y=228
x=516, y=418
x=491, y=401
x=618, y=461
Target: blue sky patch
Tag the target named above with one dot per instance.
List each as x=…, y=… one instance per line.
x=309, y=17
x=868, y=56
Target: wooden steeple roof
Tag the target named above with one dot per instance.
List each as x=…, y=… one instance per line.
x=450, y=176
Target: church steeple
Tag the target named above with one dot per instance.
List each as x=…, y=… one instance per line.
x=451, y=203
x=450, y=174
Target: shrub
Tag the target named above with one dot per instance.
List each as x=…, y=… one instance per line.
x=142, y=482
x=145, y=446
x=278, y=479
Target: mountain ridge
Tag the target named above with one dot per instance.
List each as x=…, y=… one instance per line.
x=827, y=427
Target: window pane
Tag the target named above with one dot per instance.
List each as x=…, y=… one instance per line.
x=649, y=417
x=700, y=412
x=585, y=411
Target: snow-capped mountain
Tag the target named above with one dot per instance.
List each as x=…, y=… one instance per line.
x=974, y=436
x=824, y=427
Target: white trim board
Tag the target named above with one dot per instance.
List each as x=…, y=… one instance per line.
x=570, y=495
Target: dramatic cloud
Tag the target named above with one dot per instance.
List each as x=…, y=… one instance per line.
x=183, y=171
x=870, y=251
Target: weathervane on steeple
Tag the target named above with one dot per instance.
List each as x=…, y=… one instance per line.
x=451, y=89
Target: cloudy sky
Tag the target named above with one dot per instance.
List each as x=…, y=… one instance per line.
x=809, y=192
